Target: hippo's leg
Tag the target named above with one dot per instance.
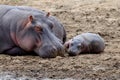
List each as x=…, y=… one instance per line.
x=15, y=51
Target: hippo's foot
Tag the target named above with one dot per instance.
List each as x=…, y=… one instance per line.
x=15, y=51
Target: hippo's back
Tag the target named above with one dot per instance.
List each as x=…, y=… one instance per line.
x=4, y=9
x=26, y=8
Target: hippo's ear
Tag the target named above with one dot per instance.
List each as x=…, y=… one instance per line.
x=30, y=18
x=48, y=14
x=27, y=22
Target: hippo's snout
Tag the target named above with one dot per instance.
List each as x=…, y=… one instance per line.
x=50, y=51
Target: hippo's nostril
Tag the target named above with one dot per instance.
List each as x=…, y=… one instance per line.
x=60, y=51
x=54, y=49
x=61, y=41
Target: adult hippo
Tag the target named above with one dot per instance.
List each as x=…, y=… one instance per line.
x=86, y=42
x=25, y=29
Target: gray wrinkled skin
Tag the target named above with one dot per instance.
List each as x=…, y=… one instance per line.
x=24, y=30
x=86, y=42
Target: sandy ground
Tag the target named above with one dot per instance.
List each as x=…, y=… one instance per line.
x=77, y=16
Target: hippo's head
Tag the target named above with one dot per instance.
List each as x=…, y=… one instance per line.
x=73, y=47
x=36, y=35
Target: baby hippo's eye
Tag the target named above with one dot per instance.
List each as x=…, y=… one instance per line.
x=38, y=29
x=79, y=46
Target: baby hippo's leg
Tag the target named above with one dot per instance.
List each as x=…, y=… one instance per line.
x=97, y=46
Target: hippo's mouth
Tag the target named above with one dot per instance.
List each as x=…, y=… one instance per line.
x=46, y=54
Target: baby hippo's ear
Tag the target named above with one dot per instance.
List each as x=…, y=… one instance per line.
x=66, y=45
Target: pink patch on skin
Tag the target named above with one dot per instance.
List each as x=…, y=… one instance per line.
x=28, y=43
x=26, y=23
x=38, y=43
x=14, y=38
x=66, y=45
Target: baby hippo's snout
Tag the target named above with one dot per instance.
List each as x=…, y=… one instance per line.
x=72, y=53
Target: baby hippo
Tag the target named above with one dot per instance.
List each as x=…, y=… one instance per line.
x=86, y=42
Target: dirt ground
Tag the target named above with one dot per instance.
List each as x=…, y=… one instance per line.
x=77, y=16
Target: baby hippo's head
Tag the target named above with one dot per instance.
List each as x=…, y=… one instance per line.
x=73, y=47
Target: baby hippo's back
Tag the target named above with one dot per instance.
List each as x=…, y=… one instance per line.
x=94, y=42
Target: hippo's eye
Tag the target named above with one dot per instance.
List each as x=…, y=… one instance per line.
x=38, y=29
x=50, y=24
